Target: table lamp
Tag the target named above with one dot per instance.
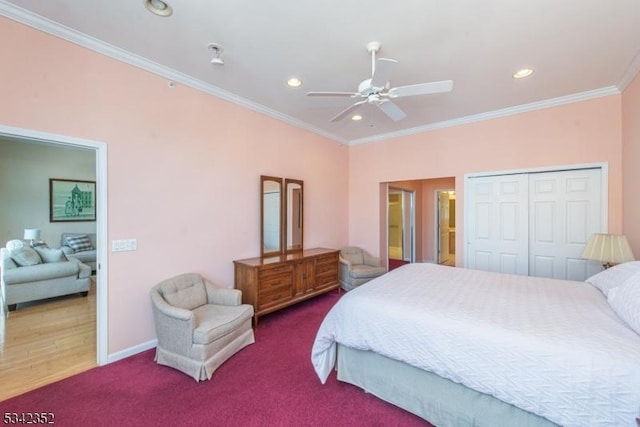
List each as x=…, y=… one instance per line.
x=32, y=234
x=610, y=249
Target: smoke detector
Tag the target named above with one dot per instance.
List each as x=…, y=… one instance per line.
x=217, y=50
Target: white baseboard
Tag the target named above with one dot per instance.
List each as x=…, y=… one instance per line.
x=131, y=351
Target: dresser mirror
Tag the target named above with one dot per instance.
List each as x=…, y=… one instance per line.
x=271, y=215
x=281, y=217
x=293, y=219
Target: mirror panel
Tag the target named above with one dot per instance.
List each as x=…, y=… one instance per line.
x=271, y=215
x=293, y=214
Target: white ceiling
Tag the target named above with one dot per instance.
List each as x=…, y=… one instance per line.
x=579, y=49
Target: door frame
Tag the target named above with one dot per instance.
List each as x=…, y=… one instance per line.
x=101, y=220
x=604, y=191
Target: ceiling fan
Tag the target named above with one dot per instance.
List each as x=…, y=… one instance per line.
x=377, y=90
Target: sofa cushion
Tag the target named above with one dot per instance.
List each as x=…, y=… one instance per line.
x=39, y=272
x=50, y=254
x=25, y=256
x=79, y=243
x=184, y=294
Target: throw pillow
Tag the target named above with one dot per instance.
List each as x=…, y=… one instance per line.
x=614, y=276
x=625, y=301
x=25, y=256
x=15, y=244
x=51, y=255
x=79, y=243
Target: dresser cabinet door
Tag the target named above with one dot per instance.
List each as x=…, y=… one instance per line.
x=304, y=277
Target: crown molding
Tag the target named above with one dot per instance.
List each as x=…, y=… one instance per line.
x=539, y=105
x=48, y=26
x=631, y=73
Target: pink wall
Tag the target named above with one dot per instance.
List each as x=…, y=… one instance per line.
x=578, y=133
x=183, y=166
x=631, y=163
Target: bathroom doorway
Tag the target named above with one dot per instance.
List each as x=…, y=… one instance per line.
x=446, y=226
x=400, y=226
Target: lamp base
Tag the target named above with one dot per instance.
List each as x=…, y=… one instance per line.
x=608, y=265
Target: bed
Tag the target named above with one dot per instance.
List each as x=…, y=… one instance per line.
x=467, y=347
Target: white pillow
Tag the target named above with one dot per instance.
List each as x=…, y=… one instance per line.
x=25, y=256
x=625, y=301
x=614, y=276
x=15, y=244
x=51, y=255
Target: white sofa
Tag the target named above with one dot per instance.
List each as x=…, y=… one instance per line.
x=40, y=281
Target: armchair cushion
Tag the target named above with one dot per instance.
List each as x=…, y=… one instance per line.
x=352, y=254
x=184, y=292
x=215, y=321
x=363, y=271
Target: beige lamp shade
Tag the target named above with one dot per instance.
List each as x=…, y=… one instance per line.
x=32, y=234
x=608, y=248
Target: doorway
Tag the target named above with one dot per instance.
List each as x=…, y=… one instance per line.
x=100, y=149
x=446, y=226
x=400, y=226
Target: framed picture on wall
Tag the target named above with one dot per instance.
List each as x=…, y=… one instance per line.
x=72, y=200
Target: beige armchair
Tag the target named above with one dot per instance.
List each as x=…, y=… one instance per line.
x=199, y=325
x=358, y=267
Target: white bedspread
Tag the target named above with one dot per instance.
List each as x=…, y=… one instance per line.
x=551, y=347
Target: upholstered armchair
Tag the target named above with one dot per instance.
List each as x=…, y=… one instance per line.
x=199, y=325
x=358, y=267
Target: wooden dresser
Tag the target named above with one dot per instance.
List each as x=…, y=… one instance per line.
x=273, y=283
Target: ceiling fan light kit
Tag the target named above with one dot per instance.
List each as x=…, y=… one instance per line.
x=378, y=91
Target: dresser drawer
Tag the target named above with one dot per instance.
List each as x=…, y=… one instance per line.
x=274, y=296
x=275, y=271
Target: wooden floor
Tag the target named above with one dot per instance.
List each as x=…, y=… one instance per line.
x=46, y=341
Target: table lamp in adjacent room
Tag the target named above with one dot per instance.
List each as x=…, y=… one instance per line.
x=32, y=234
x=610, y=249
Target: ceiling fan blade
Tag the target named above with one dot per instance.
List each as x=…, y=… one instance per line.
x=347, y=111
x=392, y=110
x=331, y=94
x=382, y=73
x=421, y=89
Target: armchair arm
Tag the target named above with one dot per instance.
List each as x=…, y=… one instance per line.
x=344, y=261
x=67, y=250
x=174, y=325
x=222, y=296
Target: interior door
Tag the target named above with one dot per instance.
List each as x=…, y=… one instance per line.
x=443, y=226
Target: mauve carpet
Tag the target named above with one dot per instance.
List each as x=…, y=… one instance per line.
x=269, y=383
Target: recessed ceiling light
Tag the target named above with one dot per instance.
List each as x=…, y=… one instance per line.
x=294, y=82
x=356, y=117
x=525, y=72
x=158, y=7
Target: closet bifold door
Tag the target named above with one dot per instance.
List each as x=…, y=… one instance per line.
x=534, y=223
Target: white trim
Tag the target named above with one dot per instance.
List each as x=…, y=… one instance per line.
x=631, y=73
x=101, y=231
x=604, y=191
x=131, y=351
x=48, y=26
x=539, y=105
